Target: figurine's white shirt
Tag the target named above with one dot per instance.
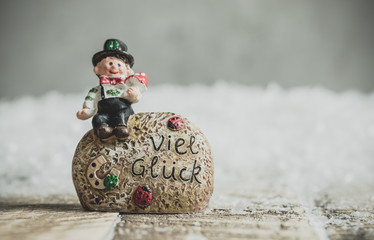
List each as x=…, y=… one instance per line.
x=112, y=91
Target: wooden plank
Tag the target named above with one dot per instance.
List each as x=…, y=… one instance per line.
x=215, y=225
x=263, y=214
x=348, y=214
x=55, y=217
x=264, y=217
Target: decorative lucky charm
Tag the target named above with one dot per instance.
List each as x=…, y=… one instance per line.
x=156, y=162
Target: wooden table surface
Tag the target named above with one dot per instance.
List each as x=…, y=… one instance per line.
x=261, y=215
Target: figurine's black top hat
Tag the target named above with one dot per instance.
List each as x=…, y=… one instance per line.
x=113, y=48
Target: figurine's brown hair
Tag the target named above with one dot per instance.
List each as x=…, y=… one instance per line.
x=95, y=61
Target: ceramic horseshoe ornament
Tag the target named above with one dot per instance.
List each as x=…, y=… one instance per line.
x=155, y=162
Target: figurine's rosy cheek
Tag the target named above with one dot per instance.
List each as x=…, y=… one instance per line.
x=121, y=69
x=107, y=67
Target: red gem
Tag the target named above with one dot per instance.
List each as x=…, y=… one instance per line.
x=143, y=196
x=175, y=123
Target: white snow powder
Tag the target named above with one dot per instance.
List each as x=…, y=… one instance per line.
x=310, y=139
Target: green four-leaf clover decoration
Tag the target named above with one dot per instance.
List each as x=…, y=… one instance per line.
x=113, y=92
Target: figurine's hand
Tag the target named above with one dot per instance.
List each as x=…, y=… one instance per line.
x=83, y=114
x=134, y=92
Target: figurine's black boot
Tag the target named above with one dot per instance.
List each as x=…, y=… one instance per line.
x=121, y=131
x=104, y=132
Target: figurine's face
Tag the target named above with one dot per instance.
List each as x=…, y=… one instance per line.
x=112, y=67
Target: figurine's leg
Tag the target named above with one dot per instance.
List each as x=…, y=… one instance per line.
x=121, y=130
x=101, y=126
x=125, y=115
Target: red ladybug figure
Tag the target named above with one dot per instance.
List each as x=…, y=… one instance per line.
x=143, y=196
x=175, y=123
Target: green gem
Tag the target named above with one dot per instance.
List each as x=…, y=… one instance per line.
x=112, y=45
x=93, y=90
x=89, y=98
x=110, y=181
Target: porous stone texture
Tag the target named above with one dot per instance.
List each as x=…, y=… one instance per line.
x=176, y=164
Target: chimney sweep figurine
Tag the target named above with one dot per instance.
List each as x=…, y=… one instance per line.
x=118, y=88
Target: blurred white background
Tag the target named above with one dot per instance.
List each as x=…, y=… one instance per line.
x=48, y=45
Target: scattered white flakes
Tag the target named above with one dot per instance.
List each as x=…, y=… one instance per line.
x=357, y=214
x=310, y=139
x=196, y=223
x=161, y=229
x=120, y=231
x=194, y=236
